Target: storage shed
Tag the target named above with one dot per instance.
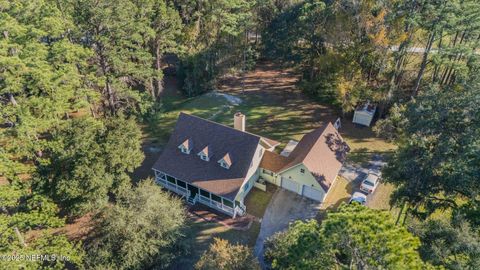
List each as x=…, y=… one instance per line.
x=364, y=113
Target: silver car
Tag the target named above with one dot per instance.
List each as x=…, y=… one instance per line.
x=370, y=183
x=358, y=197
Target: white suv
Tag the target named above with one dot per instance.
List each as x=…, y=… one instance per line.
x=370, y=183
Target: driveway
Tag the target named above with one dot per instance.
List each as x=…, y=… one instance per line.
x=356, y=174
x=285, y=207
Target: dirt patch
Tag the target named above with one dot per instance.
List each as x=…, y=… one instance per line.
x=77, y=230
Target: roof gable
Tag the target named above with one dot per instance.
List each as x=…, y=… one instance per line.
x=323, y=152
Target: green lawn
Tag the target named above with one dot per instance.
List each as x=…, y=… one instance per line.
x=257, y=200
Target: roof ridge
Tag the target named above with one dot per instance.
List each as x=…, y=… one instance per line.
x=213, y=122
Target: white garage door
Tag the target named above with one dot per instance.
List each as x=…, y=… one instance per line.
x=289, y=184
x=312, y=193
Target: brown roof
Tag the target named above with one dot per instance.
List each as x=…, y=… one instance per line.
x=273, y=161
x=271, y=142
x=322, y=151
x=221, y=140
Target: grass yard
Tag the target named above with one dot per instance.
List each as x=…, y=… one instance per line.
x=257, y=200
x=340, y=192
x=274, y=107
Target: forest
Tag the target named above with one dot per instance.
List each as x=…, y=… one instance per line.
x=79, y=79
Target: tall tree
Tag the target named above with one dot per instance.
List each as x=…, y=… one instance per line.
x=221, y=255
x=166, y=28
x=90, y=160
x=118, y=35
x=139, y=231
x=22, y=211
x=43, y=78
x=354, y=236
x=453, y=245
x=438, y=138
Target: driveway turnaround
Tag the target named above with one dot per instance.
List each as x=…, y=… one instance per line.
x=357, y=174
x=284, y=208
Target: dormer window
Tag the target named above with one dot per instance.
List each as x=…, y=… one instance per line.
x=186, y=146
x=204, y=154
x=225, y=162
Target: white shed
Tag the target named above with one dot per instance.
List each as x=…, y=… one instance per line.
x=364, y=113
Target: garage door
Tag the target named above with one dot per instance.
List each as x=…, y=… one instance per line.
x=312, y=193
x=289, y=184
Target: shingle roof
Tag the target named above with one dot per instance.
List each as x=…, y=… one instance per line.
x=271, y=142
x=322, y=151
x=221, y=140
x=273, y=161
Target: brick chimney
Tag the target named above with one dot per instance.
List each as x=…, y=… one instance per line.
x=239, y=121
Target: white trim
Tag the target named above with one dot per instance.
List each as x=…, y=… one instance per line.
x=208, y=201
x=291, y=168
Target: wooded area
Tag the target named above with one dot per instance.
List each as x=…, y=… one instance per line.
x=79, y=77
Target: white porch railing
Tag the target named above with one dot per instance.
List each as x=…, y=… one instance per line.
x=215, y=204
x=170, y=186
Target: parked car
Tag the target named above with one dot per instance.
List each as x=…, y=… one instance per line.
x=358, y=197
x=370, y=183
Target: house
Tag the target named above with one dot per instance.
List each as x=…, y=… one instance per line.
x=217, y=165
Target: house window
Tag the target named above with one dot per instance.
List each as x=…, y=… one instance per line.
x=246, y=186
x=216, y=198
x=224, y=165
x=184, y=150
x=181, y=184
x=227, y=203
x=203, y=157
x=267, y=172
x=204, y=193
x=171, y=179
x=302, y=170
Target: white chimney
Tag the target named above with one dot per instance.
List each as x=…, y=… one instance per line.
x=239, y=121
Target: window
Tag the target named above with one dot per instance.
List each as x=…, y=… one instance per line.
x=224, y=165
x=184, y=150
x=171, y=179
x=247, y=185
x=267, y=172
x=181, y=184
x=216, y=198
x=203, y=157
x=227, y=203
x=302, y=170
x=204, y=193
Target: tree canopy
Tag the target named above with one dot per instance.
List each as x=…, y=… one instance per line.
x=139, y=231
x=354, y=236
x=222, y=255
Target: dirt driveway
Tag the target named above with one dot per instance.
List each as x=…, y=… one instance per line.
x=284, y=208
